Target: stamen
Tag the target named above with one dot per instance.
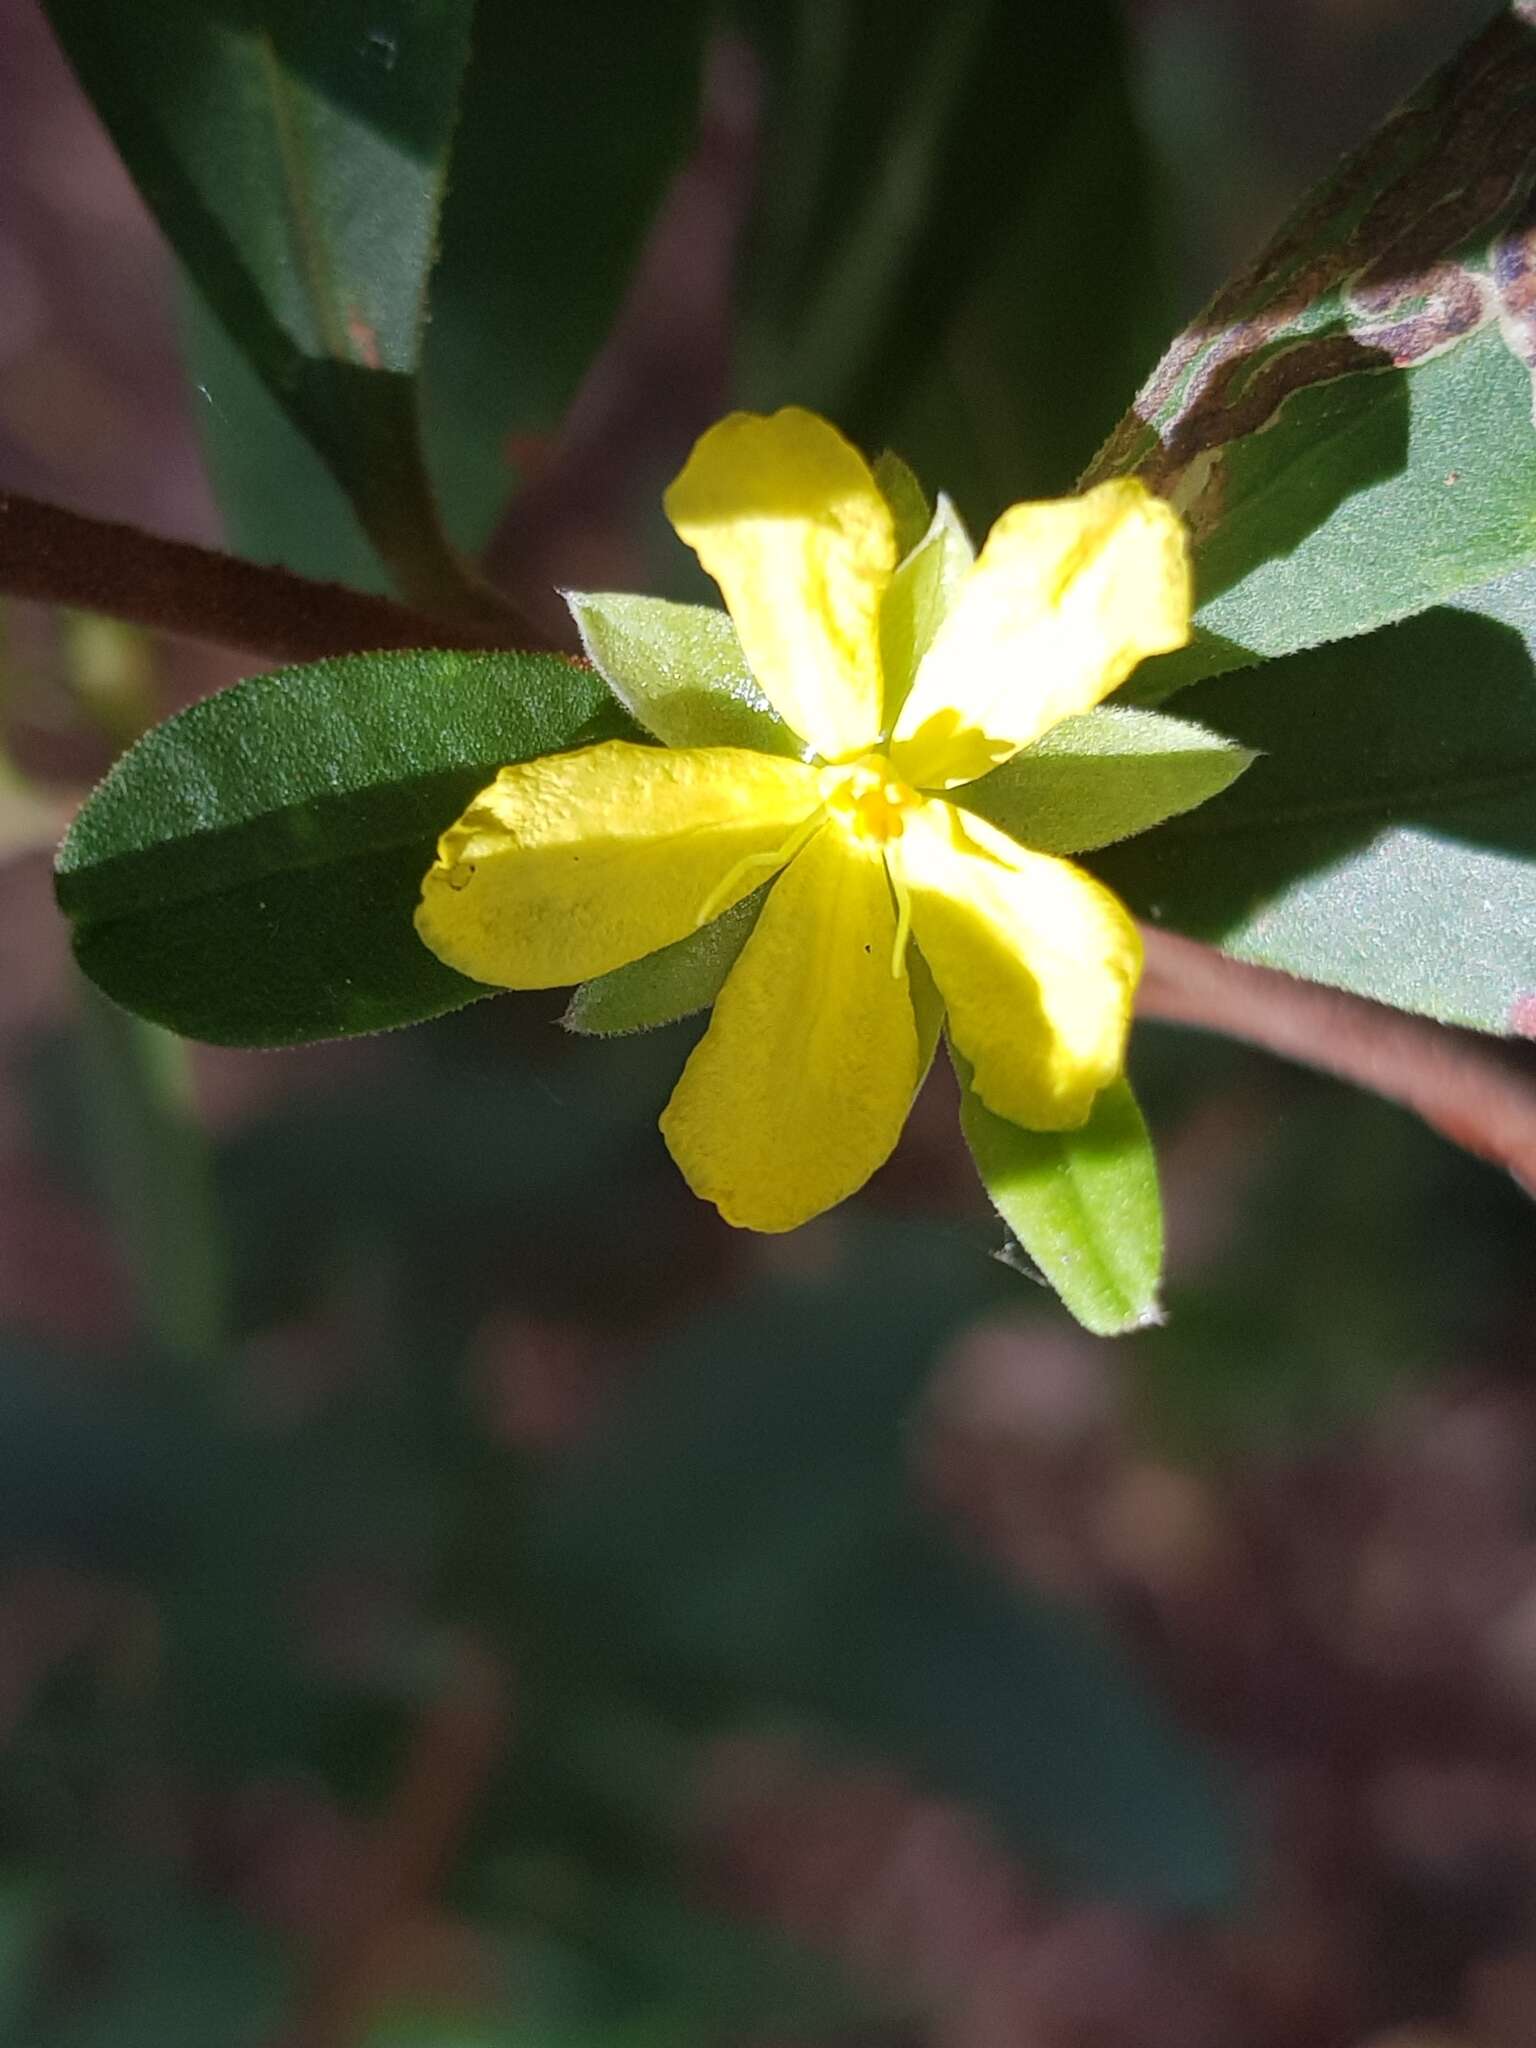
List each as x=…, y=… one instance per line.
x=726, y=891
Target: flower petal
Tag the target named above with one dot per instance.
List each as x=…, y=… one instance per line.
x=1063, y=602
x=573, y=864
x=801, y=1085
x=1036, y=961
x=788, y=519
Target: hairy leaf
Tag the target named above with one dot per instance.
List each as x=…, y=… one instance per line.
x=1385, y=840
x=1348, y=426
x=247, y=873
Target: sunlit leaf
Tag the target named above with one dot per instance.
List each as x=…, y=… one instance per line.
x=1385, y=838
x=1348, y=425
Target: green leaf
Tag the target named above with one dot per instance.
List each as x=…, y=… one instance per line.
x=1005, y=395
x=676, y=981
x=1084, y=1203
x=277, y=500
x=1104, y=776
x=295, y=156
x=1348, y=426
x=918, y=599
x=679, y=670
x=247, y=873
x=574, y=118
x=908, y=156
x=1385, y=840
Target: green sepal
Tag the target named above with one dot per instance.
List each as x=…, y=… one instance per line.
x=917, y=601
x=1103, y=776
x=927, y=1011
x=675, y=981
x=247, y=873
x=1084, y=1204
x=904, y=495
x=679, y=670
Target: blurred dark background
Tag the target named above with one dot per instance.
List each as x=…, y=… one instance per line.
x=455, y=1592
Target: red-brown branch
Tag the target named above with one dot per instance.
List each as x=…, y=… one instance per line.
x=1473, y=1091
x=59, y=557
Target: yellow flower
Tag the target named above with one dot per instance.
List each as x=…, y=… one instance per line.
x=572, y=865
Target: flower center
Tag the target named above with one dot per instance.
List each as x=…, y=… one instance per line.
x=868, y=798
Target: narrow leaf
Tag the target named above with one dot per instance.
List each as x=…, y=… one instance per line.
x=573, y=120
x=898, y=183
x=679, y=670
x=1084, y=1204
x=1348, y=425
x=247, y=873
x=1105, y=776
x=294, y=156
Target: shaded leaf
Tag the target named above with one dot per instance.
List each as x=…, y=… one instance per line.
x=247, y=873
x=1083, y=1204
x=1017, y=382
x=294, y=156
x=1106, y=775
x=1385, y=840
x=277, y=500
x=1348, y=426
x=898, y=183
x=572, y=120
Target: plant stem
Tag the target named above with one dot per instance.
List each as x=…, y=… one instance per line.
x=58, y=557
x=1473, y=1091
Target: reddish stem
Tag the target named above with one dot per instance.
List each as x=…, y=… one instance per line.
x=57, y=557
x=1476, y=1092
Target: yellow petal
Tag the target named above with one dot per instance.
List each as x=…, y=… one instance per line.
x=573, y=864
x=801, y=1085
x=1063, y=602
x=788, y=519
x=1036, y=961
